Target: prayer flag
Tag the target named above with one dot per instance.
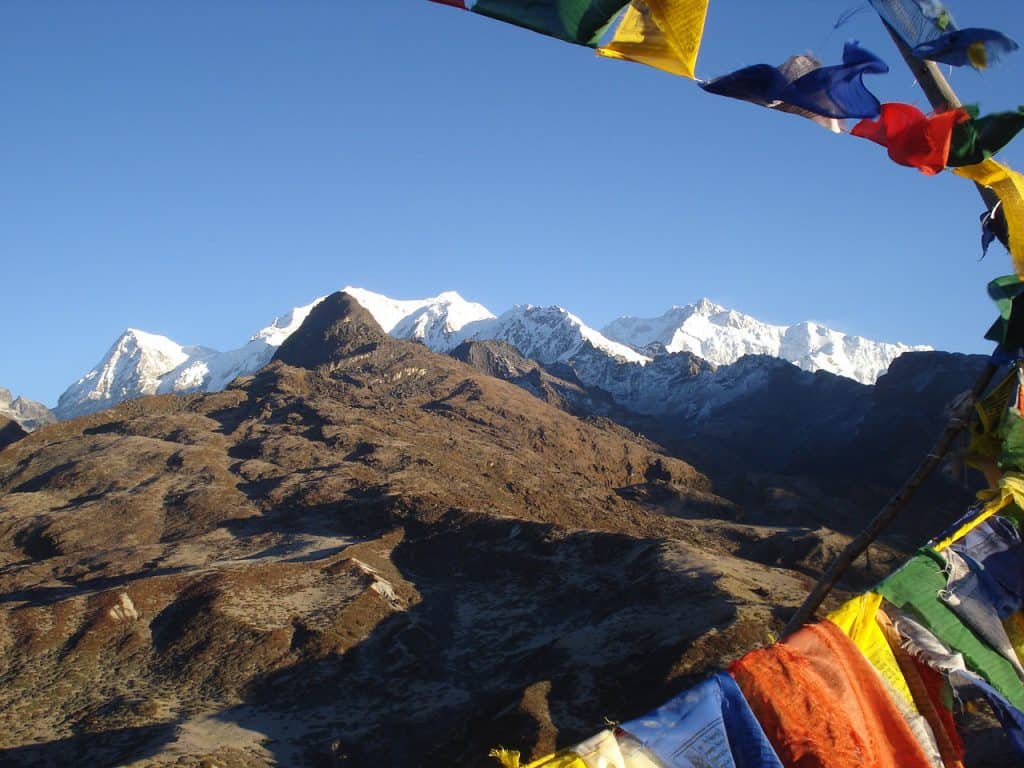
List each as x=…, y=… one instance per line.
x=575, y=21
x=708, y=725
x=821, y=704
x=976, y=47
x=912, y=138
x=1009, y=188
x=665, y=34
x=978, y=139
x=835, y=91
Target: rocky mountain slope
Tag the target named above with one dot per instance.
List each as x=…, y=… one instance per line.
x=372, y=554
x=27, y=413
x=367, y=554
x=787, y=444
x=141, y=364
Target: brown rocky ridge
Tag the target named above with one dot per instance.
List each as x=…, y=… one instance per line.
x=366, y=554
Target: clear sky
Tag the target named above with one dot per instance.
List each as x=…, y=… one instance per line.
x=195, y=168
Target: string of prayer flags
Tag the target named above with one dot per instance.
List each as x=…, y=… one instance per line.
x=574, y=21
x=1009, y=188
x=977, y=139
x=836, y=92
x=930, y=32
x=912, y=138
x=664, y=34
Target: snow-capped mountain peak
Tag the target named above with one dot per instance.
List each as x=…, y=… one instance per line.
x=285, y=325
x=552, y=334
x=721, y=336
x=133, y=366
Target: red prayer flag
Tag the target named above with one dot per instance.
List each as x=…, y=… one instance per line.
x=912, y=138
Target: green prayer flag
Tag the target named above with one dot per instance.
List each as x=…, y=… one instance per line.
x=1008, y=329
x=916, y=586
x=1011, y=435
x=575, y=21
x=978, y=139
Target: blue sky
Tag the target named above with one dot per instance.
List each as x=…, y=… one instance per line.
x=194, y=168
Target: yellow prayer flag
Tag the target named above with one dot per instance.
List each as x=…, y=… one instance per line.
x=510, y=759
x=1009, y=188
x=856, y=618
x=1011, y=490
x=1014, y=626
x=665, y=34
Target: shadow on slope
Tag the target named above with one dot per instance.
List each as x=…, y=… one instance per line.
x=583, y=624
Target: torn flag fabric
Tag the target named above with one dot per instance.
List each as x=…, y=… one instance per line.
x=835, y=91
x=927, y=687
x=917, y=586
x=995, y=548
x=708, y=725
x=912, y=138
x=575, y=21
x=981, y=137
x=665, y=34
x=970, y=597
x=822, y=704
x=920, y=642
x=1009, y=188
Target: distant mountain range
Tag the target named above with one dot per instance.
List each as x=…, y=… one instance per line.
x=649, y=366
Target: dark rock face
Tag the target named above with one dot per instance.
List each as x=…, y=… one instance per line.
x=558, y=386
x=338, y=327
x=10, y=432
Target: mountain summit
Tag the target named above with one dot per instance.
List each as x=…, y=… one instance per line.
x=336, y=328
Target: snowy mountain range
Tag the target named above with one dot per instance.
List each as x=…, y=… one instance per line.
x=722, y=336
x=639, y=362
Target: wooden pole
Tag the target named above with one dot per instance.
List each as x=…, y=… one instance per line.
x=888, y=513
x=941, y=96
